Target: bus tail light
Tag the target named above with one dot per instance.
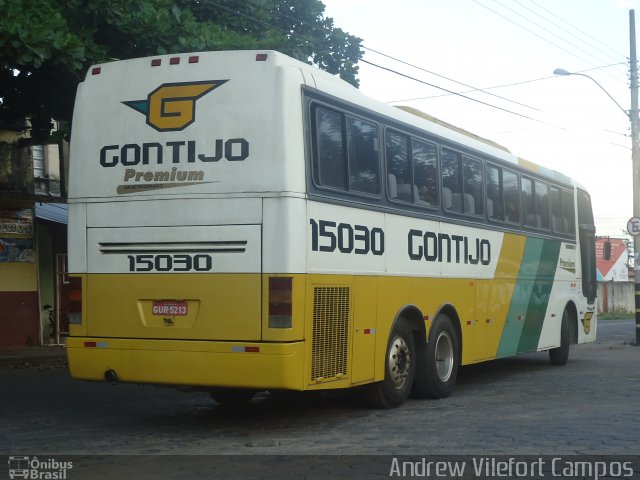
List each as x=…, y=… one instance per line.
x=280, y=302
x=74, y=311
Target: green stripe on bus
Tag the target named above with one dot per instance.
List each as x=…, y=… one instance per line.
x=540, y=296
x=520, y=298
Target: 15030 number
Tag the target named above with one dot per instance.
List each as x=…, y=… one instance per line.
x=346, y=238
x=170, y=263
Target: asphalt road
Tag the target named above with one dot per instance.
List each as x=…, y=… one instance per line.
x=516, y=406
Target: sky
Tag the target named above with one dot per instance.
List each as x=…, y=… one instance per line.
x=567, y=123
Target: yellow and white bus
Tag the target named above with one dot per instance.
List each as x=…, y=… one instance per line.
x=241, y=221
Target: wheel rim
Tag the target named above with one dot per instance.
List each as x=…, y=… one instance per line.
x=399, y=362
x=444, y=356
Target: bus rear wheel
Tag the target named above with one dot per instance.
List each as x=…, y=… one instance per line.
x=560, y=355
x=440, y=362
x=400, y=368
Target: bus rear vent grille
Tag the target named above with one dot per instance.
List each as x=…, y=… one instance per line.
x=330, y=333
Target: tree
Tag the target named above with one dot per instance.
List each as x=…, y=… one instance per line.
x=46, y=46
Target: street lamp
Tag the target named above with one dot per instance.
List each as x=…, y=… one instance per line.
x=562, y=72
x=632, y=115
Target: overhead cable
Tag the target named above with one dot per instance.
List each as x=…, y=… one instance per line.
x=510, y=20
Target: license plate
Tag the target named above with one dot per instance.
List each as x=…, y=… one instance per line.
x=170, y=308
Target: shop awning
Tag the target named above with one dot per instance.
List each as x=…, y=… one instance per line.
x=54, y=212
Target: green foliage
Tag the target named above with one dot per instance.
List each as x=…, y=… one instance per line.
x=46, y=46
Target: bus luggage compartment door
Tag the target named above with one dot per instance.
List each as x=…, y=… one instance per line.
x=194, y=282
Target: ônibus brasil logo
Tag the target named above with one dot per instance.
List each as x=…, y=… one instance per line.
x=32, y=468
x=172, y=106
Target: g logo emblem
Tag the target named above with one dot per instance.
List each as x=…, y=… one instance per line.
x=172, y=106
x=586, y=322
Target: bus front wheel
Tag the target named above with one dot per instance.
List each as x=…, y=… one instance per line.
x=400, y=368
x=439, y=364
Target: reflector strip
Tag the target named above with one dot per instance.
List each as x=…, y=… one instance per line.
x=156, y=62
x=369, y=331
x=245, y=349
x=174, y=61
x=261, y=57
x=96, y=71
x=194, y=59
x=96, y=345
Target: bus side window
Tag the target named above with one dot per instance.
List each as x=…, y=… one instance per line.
x=528, y=205
x=364, y=162
x=557, y=220
x=494, y=193
x=346, y=153
x=542, y=205
x=330, y=163
x=473, y=198
x=511, y=196
x=562, y=215
x=425, y=173
x=568, y=213
x=397, y=148
x=451, y=188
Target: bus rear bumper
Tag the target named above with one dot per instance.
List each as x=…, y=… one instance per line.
x=188, y=363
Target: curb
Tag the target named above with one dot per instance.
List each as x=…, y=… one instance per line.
x=33, y=357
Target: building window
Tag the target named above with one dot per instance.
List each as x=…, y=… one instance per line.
x=46, y=169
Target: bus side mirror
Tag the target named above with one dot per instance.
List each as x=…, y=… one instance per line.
x=606, y=251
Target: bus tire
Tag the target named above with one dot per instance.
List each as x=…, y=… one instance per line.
x=560, y=355
x=232, y=396
x=399, y=371
x=441, y=360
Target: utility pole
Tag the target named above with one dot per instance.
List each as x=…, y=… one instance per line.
x=635, y=161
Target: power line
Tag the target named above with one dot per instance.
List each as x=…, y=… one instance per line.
x=590, y=44
x=546, y=29
x=284, y=15
x=514, y=84
x=313, y=41
x=473, y=89
x=457, y=94
x=578, y=30
x=510, y=20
